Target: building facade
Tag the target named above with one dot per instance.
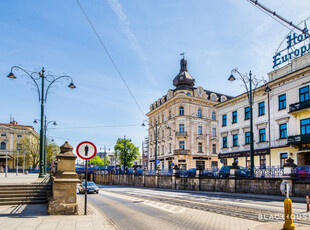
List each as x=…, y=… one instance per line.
x=281, y=120
x=11, y=137
x=183, y=125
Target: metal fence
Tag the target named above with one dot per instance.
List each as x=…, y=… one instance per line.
x=268, y=172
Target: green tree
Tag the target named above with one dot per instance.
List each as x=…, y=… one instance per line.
x=126, y=152
x=99, y=161
x=51, y=151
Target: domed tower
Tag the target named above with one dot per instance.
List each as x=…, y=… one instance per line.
x=183, y=80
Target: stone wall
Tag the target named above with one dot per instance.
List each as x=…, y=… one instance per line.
x=267, y=186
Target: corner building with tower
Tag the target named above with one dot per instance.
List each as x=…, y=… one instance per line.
x=183, y=125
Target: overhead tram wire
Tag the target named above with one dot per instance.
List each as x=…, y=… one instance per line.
x=273, y=15
x=110, y=57
x=98, y=126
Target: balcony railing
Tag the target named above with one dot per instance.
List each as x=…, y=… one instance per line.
x=181, y=151
x=181, y=134
x=299, y=106
x=299, y=139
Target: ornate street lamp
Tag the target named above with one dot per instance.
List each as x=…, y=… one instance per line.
x=250, y=84
x=45, y=139
x=42, y=93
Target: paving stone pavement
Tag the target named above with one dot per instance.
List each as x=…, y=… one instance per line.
x=35, y=217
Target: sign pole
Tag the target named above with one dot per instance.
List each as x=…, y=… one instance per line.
x=85, y=206
x=86, y=150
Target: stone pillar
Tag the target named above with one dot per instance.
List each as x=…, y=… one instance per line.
x=156, y=177
x=234, y=170
x=288, y=168
x=173, y=178
x=143, y=176
x=64, y=201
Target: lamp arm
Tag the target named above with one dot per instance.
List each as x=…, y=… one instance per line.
x=31, y=76
x=53, y=81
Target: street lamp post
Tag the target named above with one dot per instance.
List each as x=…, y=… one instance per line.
x=42, y=93
x=156, y=131
x=45, y=139
x=250, y=84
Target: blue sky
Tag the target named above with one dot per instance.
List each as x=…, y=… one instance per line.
x=145, y=39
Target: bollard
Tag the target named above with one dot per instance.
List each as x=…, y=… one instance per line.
x=288, y=212
x=307, y=197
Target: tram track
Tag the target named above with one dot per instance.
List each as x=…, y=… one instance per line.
x=229, y=210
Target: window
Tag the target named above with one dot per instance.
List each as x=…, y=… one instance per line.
x=2, y=146
x=224, y=120
x=163, y=118
x=181, y=111
x=262, y=135
x=163, y=150
x=247, y=138
x=236, y=159
x=261, y=108
x=151, y=152
x=170, y=132
x=199, y=130
x=282, y=101
x=162, y=165
x=169, y=147
x=235, y=140
x=212, y=98
x=224, y=142
x=163, y=134
x=262, y=161
x=213, y=148
x=248, y=162
x=225, y=162
x=200, y=164
x=182, y=145
x=283, y=131
x=199, y=147
x=199, y=112
x=305, y=126
x=246, y=113
x=283, y=157
x=213, y=116
x=213, y=132
x=181, y=128
x=304, y=94
x=234, y=117
x=214, y=164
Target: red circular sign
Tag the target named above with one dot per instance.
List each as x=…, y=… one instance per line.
x=86, y=150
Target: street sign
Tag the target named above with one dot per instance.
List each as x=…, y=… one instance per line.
x=172, y=164
x=285, y=188
x=86, y=150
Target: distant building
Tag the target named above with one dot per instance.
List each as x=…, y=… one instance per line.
x=186, y=123
x=281, y=119
x=11, y=135
x=145, y=153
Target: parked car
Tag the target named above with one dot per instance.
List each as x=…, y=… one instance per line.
x=303, y=171
x=91, y=188
x=242, y=172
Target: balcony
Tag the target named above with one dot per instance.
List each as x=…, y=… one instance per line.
x=298, y=139
x=181, y=152
x=181, y=134
x=299, y=106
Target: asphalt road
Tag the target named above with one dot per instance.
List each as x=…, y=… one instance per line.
x=128, y=212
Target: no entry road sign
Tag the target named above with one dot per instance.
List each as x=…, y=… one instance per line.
x=86, y=150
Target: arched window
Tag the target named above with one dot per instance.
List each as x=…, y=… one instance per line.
x=223, y=98
x=213, y=116
x=199, y=112
x=2, y=146
x=163, y=134
x=181, y=111
x=212, y=98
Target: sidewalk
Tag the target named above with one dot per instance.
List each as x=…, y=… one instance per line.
x=21, y=178
x=35, y=217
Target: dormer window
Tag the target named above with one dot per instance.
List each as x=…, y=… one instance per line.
x=212, y=98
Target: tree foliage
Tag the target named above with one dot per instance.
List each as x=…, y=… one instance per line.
x=99, y=161
x=31, y=147
x=126, y=152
